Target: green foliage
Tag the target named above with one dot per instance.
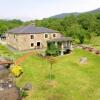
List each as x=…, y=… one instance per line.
x=88, y=21
x=16, y=71
x=72, y=80
x=3, y=29
x=23, y=94
x=52, y=50
x=81, y=27
x=9, y=24
x=4, y=51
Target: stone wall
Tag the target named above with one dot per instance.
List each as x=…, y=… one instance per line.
x=23, y=41
x=12, y=40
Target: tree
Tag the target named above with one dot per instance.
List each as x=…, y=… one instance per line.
x=9, y=24
x=97, y=29
x=82, y=34
x=52, y=61
x=87, y=21
x=3, y=29
x=52, y=50
x=81, y=27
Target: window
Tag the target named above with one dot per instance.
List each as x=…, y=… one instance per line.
x=54, y=35
x=32, y=36
x=46, y=35
x=38, y=44
x=32, y=44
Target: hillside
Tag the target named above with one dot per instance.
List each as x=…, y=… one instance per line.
x=74, y=13
x=64, y=14
x=96, y=10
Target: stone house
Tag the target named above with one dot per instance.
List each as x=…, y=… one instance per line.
x=31, y=37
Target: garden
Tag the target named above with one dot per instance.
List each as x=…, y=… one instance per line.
x=68, y=79
x=59, y=78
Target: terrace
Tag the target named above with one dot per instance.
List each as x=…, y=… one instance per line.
x=63, y=43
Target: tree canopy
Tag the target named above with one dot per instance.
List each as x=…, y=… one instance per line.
x=81, y=27
x=9, y=24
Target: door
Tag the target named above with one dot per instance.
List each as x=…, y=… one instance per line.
x=38, y=45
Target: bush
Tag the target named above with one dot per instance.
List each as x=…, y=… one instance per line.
x=52, y=50
x=16, y=71
x=23, y=94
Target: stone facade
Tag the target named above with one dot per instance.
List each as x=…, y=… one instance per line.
x=30, y=41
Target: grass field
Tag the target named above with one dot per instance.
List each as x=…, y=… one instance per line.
x=96, y=42
x=73, y=81
x=7, y=53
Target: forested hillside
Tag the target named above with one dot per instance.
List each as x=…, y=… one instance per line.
x=62, y=15
x=82, y=27
x=9, y=24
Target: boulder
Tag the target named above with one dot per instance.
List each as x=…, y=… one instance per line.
x=83, y=60
x=27, y=86
x=98, y=52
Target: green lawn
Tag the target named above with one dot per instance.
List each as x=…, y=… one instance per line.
x=73, y=81
x=96, y=42
x=7, y=53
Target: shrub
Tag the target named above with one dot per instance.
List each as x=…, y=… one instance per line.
x=16, y=71
x=23, y=94
x=52, y=50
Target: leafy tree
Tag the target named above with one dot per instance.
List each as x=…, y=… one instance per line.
x=52, y=50
x=3, y=29
x=9, y=24
x=87, y=21
x=81, y=27
x=81, y=35
x=97, y=29
x=76, y=31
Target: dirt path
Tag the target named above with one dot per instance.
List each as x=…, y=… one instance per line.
x=23, y=58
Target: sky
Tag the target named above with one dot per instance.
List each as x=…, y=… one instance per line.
x=38, y=9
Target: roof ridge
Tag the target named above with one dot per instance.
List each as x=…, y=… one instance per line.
x=16, y=28
x=32, y=29
x=24, y=28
